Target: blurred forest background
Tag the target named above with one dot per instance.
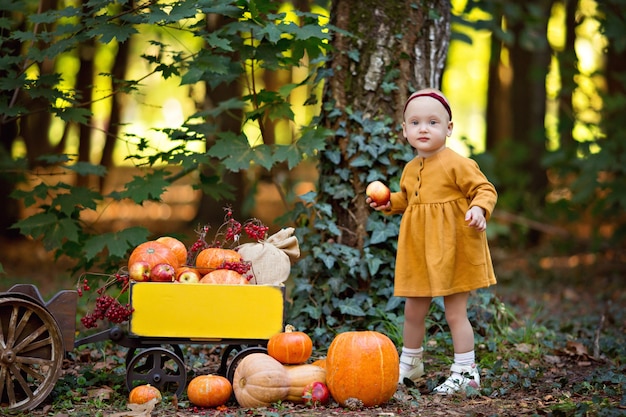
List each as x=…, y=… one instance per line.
x=126, y=120
x=122, y=121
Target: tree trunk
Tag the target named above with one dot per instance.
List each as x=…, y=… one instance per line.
x=210, y=210
x=395, y=42
x=499, y=126
x=568, y=69
x=84, y=89
x=112, y=129
x=530, y=60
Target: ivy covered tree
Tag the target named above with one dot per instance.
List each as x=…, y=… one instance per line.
x=346, y=279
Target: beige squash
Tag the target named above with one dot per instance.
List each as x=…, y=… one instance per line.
x=260, y=381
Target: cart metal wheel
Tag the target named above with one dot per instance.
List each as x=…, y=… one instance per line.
x=158, y=367
x=230, y=372
x=31, y=353
x=130, y=354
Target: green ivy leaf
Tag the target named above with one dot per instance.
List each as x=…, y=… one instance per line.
x=36, y=224
x=87, y=168
x=73, y=114
x=147, y=188
x=350, y=307
x=76, y=197
x=63, y=229
x=117, y=244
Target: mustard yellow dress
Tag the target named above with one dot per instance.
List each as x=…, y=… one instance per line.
x=438, y=254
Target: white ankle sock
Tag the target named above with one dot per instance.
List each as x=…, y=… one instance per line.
x=465, y=359
x=409, y=353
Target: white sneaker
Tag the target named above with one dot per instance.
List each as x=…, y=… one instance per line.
x=415, y=371
x=461, y=378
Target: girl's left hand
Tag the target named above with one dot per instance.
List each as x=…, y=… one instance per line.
x=476, y=218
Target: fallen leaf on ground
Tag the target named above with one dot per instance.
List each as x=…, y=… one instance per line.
x=137, y=410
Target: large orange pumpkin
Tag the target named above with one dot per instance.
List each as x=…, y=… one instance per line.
x=141, y=394
x=176, y=246
x=213, y=258
x=224, y=276
x=153, y=253
x=290, y=347
x=362, y=365
x=209, y=390
x=260, y=381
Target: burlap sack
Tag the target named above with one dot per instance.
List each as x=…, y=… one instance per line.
x=271, y=259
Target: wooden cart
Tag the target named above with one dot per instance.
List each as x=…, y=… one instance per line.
x=35, y=335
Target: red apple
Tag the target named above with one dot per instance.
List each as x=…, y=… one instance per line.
x=316, y=393
x=378, y=192
x=139, y=271
x=187, y=275
x=162, y=273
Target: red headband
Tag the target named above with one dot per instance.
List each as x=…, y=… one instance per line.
x=436, y=96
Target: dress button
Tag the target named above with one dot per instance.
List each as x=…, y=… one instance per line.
x=416, y=193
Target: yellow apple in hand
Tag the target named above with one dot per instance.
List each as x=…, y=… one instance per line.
x=378, y=192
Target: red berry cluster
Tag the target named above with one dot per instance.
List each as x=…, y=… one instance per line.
x=107, y=308
x=255, y=229
x=241, y=267
x=233, y=230
x=228, y=235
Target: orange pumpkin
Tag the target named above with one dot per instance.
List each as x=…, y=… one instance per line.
x=176, y=246
x=209, y=390
x=320, y=362
x=260, y=381
x=141, y=394
x=224, y=276
x=213, y=258
x=153, y=253
x=362, y=365
x=290, y=347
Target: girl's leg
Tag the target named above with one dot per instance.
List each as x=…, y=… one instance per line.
x=464, y=371
x=460, y=326
x=411, y=364
x=415, y=312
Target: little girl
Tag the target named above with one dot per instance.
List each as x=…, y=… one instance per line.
x=445, y=202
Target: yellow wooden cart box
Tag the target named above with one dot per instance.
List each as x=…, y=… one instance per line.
x=206, y=312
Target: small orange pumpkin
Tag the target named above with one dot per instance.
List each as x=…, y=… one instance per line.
x=176, y=246
x=213, y=258
x=153, y=253
x=362, y=365
x=209, y=390
x=224, y=276
x=290, y=347
x=141, y=394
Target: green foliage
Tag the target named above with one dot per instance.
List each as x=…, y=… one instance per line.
x=254, y=36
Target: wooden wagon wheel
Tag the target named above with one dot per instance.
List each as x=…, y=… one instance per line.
x=31, y=353
x=158, y=367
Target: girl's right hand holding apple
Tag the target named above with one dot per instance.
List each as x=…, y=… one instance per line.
x=378, y=207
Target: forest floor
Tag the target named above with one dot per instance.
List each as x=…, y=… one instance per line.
x=576, y=371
